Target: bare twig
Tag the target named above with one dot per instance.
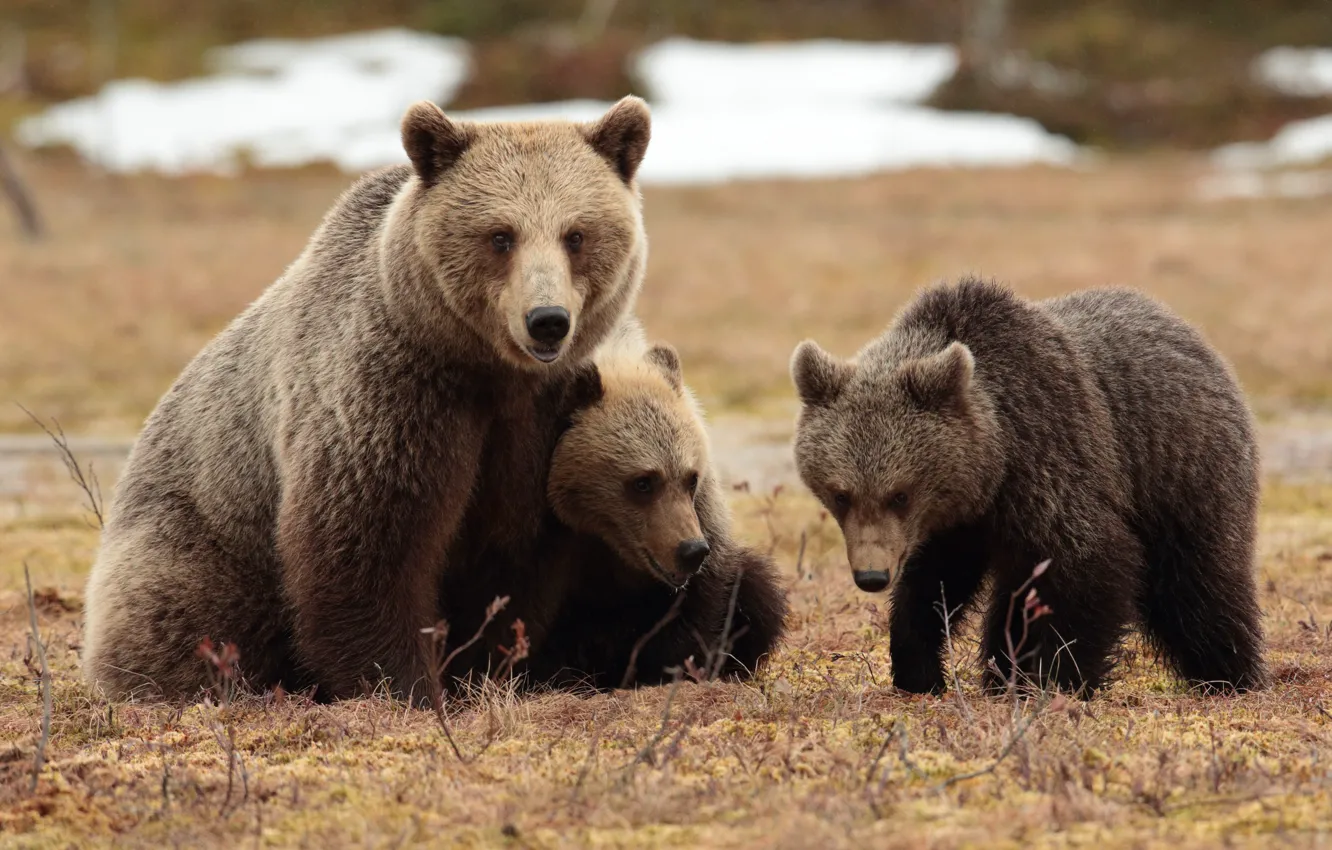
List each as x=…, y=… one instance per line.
x=437, y=666
x=88, y=483
x=1019, y=732
x=20, y=197
x=43, y=683
x=947, y=615
x=649, y=749
x=589, y=760
x=631, y=670
x=1032, y=610
x=724, y=642
x=800, y=556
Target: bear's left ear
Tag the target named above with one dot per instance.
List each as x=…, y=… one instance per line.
x=584, y=390
x=621, y=135
x=433, y=143
x=940, y=380
x=665, y=358
x=818, y=376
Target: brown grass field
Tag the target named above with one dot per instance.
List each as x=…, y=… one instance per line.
x=818, y=750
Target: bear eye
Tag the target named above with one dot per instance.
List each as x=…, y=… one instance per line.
x=842, y=500
x=692, y=483
x=642, y=484
x=502, y=242
x=898, y=500
x=574, y=241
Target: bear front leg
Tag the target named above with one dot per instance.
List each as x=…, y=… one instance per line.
x=1083, y=608
x=362, y=538
x=949, y=567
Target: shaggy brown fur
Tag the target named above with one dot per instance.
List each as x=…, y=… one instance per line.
x=982, y=434
x=637, y=522
x=297, y=490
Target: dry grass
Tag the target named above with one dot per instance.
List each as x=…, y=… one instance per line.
x=819, y=750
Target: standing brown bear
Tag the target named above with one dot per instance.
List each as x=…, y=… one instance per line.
x=636, y=547
x=982, y=434
x=295, y=492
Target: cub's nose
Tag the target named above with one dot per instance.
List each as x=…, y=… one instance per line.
x=871, y=581
x=689, y=556
x=547, y=325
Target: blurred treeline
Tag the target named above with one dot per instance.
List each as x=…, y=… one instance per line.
x=1124, y=73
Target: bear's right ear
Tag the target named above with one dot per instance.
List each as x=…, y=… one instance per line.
x=433, y=143
x=818, y=376
x=621, y=135
x=584, y=390
x=665, y=358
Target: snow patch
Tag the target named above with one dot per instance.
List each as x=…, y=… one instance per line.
x=720, y=111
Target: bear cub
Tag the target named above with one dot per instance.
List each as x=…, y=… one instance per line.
x=982, y=434
x=636, y=569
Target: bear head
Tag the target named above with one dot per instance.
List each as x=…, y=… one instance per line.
x=531, y=231
x=628, y=465
x=896, y=449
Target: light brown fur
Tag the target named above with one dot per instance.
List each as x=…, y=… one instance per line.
x=299, y=487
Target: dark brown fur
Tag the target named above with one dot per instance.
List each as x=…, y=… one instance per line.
x=1097, y=430
x=584, y=592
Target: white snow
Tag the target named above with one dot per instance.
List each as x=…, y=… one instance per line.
x=679, y=70
x=1299, y=71
x=1250, y=184
x=720, y=112
x=277, y=102
x=1296, y=143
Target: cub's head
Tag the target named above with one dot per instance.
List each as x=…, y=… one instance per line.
x=895, y=450
x=628, y=466
x=533, y=231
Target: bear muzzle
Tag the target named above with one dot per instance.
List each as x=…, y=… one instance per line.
x=547, y=328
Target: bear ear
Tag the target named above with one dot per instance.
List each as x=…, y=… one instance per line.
x=621, y=135
x=940, y=380
x=818, y=376
x=433, y=143
x=584, y=389
x=665, y=358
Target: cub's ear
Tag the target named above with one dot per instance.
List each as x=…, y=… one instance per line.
x=940, y=380
x=818, y=376
x=621, y=135
x=665, y=358
x=584, y=389
x=433, y=143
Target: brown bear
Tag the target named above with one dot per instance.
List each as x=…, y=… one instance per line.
x=635, y=548
x=297, y=488
x=982, y=434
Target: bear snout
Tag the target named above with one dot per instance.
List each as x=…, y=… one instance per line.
x=871, y=581
x=547, y=326
x=690, y=555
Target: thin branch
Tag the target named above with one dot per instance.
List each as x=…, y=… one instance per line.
x=89, y=484
x=437, y=667
x=44, y=682
x=20, y=197
x=632, y=669
x=650, y=747
x=723, y=644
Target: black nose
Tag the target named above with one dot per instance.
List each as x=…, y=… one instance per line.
x=871, y=581
x=691, y=554
x=548, y=324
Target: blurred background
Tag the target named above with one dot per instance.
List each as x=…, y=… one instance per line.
x=812, y=165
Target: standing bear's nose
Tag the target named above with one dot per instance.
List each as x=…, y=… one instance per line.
x=871, y=581
x=691, y=554
x=548, y=325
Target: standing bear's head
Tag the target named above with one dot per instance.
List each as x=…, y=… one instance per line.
x=897, y=445
x=530, y=233
x=629, y=466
